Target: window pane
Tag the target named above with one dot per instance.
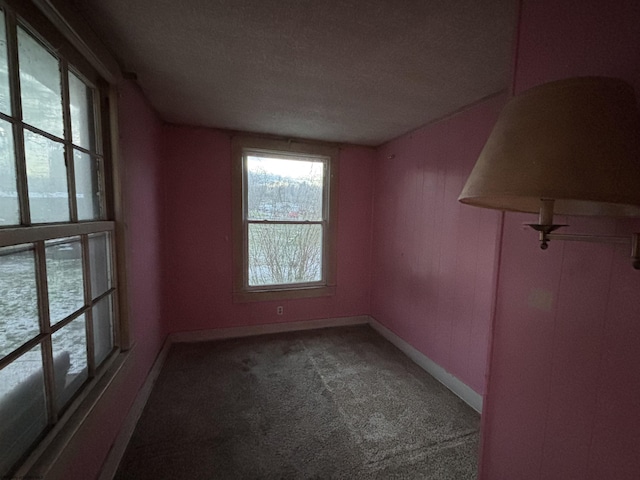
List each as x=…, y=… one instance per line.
x=47, y=179
x=18, y=298
x=5, y=95
x=281, y=254
x=284, y=189
x=9, y=204
x=100, y=259
x=102, y=329
x=81, y=107
x=87, y=186
x=39, y=85
x=64, y=277
x=23, y=413
x=70, y=347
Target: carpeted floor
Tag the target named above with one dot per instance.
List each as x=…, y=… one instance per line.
x=337, y=403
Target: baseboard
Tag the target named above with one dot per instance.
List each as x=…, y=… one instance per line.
x=249, y=331
x=111, y=463
x=466, y=393
x=473, y=399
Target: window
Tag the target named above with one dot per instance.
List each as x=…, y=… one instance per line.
x=58, y=295
x=284, y=219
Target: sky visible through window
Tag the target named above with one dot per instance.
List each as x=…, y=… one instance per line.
x=294, y=168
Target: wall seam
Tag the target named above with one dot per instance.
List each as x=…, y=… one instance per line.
x=603, y=351
x=485, y=427
x=554, y=342
x=373, y=177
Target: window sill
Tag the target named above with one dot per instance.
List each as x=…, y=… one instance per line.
x=289, y=294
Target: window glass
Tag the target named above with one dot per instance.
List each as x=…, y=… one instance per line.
x=87, y=186
x=102, y=329
x=9, y=203
x=47, y=179
x=65, y=278
x=45, y=306
x=5, y=95
x=39, y=85
x=282, y=192
x=100, y=259
x=18, y=297
x=81, y=97
x=285, y=228
x=23, y=410
x=281, y=254
x=70, y=348
x=282, y=189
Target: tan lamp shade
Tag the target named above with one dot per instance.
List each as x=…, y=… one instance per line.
x=574, y=141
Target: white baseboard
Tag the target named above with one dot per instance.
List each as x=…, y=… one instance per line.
x=466, y=393
x=249, y=331
x=116, y=453
x=111, y=463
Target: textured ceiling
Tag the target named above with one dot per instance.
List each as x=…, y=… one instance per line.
x=353, y=71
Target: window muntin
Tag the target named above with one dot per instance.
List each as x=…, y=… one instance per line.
x=9, y=202
x=58, y=302
x=285, y=207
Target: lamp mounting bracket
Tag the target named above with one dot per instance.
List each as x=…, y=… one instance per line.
x=545, y=230
x=546, y=235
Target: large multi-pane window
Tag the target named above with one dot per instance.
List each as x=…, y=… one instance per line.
x=57, y=289
x=286, y=219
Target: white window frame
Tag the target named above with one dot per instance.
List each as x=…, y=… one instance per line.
x=244, y=146
x=59, y=30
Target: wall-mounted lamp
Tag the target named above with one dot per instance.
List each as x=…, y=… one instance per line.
x=570, y=147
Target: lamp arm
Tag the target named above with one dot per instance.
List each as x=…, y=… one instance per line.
x=545, y=227
x=633, y=240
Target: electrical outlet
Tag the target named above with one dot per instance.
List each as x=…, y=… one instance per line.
x=280, y=310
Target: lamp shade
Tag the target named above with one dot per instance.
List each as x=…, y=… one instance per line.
x=574, y=141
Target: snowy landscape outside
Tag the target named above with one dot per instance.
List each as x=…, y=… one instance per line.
x=19, y=306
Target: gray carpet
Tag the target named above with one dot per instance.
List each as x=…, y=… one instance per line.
x=337, y=403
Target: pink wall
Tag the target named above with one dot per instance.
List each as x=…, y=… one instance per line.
x=434, y=259
x=564, y=386
x=562, y=398
x=197, y=169
x=140, y=153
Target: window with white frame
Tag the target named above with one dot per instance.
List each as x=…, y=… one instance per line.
x=58, y=297
x=285, y=215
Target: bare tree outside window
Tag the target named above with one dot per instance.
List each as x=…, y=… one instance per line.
x=285, y=210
